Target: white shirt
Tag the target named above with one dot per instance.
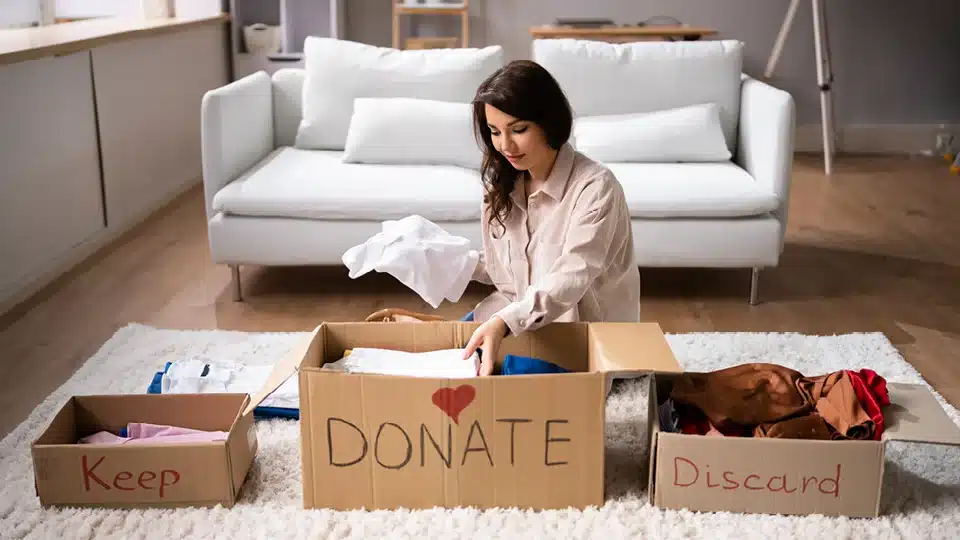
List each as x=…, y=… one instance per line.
x=432, y=262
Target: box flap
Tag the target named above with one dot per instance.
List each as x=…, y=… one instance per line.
x=914, y=414
x=621, y=348
x=283, y=370
x=653, y=426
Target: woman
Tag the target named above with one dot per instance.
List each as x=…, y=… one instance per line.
x=557, y=241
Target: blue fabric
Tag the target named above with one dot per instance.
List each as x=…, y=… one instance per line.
x=468, y=317
x=524, y=365
x=156, y=386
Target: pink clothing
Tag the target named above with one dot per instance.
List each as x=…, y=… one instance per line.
x=566, y=254
x=104, y=437
x=140, y=433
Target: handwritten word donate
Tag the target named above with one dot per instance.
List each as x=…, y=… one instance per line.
x=348, y=445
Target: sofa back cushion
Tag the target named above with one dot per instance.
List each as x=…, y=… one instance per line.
x=287, y=104
x=606, y=78
x=339, y=71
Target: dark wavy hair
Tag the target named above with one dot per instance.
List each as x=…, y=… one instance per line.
x=525, y=90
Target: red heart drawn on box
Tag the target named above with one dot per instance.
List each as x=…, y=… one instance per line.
x=454, y=400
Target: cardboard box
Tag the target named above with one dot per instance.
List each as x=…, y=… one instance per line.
x=527, y=441
x=145, y=475
x=781, y=476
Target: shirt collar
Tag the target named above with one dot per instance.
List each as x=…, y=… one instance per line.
x=556, y=182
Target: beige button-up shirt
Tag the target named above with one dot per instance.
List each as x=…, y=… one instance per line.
x=566, y=253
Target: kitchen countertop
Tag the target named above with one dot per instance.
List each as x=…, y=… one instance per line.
x=18, y=45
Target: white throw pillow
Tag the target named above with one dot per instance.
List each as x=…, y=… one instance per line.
x=410, y=131
x=339, y=71
x=623, y=78
x=684, y=134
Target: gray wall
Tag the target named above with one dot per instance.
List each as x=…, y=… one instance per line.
x=893, y=63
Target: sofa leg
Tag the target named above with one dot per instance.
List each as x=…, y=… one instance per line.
x=754, y=286
x=235, y=283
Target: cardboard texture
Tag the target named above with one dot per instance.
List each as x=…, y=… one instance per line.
x=145, y=475
x=528, y=441
x=781, y=476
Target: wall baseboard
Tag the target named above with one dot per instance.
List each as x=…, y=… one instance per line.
x=22, y=291
x=876, y=139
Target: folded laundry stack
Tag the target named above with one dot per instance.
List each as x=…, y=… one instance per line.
x=769, y=400
x=442, y=363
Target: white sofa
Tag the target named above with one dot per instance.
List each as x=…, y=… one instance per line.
x=270, y=202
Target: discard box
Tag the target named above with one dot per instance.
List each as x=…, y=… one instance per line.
x=527, y=441
x=782, y=476
x=145, y=475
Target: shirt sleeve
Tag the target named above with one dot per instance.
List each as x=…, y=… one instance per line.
x=591, y=233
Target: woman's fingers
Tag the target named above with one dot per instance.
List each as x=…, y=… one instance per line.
x=486, y=367
x=489, y=358
x=472, y=345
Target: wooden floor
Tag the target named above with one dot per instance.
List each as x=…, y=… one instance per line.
x=874, y=248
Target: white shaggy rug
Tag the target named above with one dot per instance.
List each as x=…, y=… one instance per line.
x=921, y=484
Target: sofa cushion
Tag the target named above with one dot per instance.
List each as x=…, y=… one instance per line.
x=412, y=131
x=316, y=184
x=619, y=78
x=685, y=134
x=338, y=71
x=692, y=190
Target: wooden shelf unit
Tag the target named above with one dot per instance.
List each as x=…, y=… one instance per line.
x=432, y=7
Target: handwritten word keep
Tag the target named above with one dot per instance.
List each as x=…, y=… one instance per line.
x=124, y=480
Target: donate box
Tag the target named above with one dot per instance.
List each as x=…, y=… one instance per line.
x=528, y=441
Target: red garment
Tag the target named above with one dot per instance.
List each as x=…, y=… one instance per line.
x=692, y=421
x=871, y=390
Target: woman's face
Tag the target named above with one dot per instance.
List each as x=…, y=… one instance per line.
x=523, y=143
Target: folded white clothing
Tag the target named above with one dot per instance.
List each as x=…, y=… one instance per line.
x=188, y=377
x=430, y=261
x=445, y=363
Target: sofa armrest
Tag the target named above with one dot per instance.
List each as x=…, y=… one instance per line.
x=766, y=140
x=236, y=126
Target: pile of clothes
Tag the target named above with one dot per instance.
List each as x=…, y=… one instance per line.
x=144, y=433
x=769, y=400
x=193, y=376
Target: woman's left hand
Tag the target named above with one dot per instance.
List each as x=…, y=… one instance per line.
x=487, y=337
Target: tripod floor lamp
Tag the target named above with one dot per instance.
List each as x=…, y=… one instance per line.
x=821, y=43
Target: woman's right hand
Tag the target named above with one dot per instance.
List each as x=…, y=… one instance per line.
x=487, y=337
